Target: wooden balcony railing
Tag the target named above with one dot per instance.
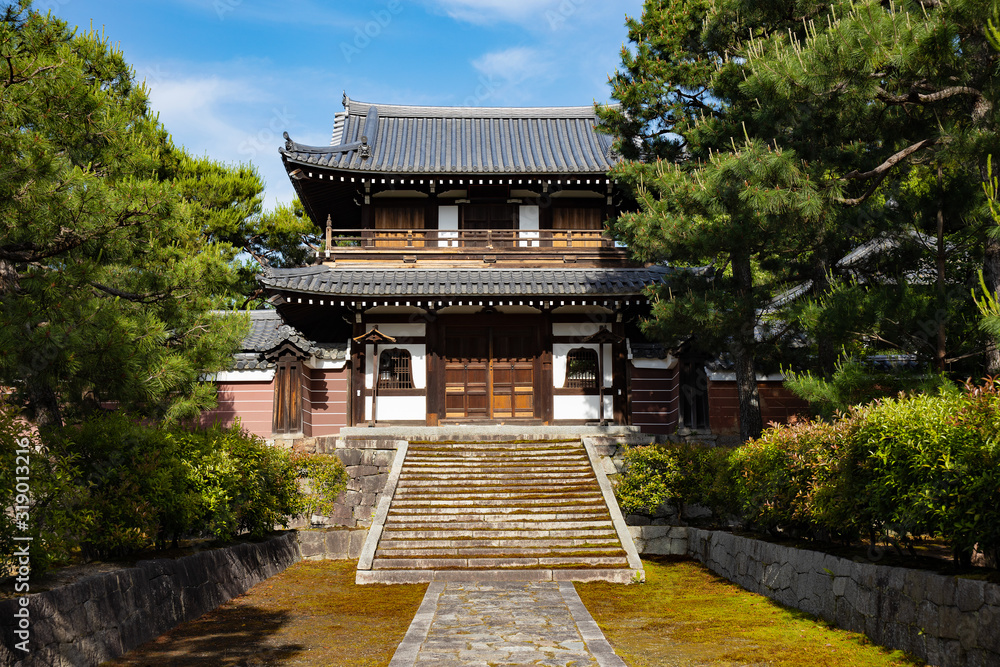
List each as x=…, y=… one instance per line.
x=471, y=239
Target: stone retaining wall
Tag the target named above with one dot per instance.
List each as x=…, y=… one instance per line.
x=944, y=620
x=368, y=461
x=331, y=544
x=105, y=616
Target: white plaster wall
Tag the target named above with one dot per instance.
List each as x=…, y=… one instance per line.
x=577, y=328
x=662, y=364
x=582, y=407
x=560, y=351
x=240, y=376
x=398, y=408
x=447, y=226
x=528, y=224
x=402, y=330
x=418, y=362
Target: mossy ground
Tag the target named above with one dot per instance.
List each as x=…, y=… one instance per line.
x=311, y=614
x=684, y=616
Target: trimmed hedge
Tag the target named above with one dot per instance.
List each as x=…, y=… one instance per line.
x=900, y=468
x=114, y=486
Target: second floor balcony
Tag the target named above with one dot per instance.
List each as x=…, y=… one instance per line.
x=471, y=245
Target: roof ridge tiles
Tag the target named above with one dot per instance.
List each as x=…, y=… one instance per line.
x=418, y=111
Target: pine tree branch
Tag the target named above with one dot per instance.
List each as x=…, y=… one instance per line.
x=130, y=296
x=913, y=97
x=880, y=172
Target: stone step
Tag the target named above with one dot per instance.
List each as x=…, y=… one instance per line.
x=491, y=519
x=510, y=512
x=442, y=466
x=515, y=484
x=476, y=476
x=495, y=533
x=500, y=563
x=547, y=528
x=492, y=501
x=499, y=457
x=502, y=552
x=473, y=446
x=480, y=543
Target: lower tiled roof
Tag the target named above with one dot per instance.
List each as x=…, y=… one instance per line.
x=371, y=282
x=267, y=331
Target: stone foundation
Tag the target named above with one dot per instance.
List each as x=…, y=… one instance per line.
x=944, y=620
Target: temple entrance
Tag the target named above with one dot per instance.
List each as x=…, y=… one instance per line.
x=490, y=372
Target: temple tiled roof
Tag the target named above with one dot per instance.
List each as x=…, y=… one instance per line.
x=461, y=140
x=268, y=331
x=377, y=283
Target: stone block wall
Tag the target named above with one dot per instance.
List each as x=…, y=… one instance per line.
x=368, y=461
x=944, y=620
x=104, y=616
x=331, y=544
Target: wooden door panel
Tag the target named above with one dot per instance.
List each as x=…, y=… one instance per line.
x=489, y=373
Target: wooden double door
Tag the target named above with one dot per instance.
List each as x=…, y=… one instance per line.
x=491, y=372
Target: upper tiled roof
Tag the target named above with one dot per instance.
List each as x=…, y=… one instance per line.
x=377, y=283
x=461, y=140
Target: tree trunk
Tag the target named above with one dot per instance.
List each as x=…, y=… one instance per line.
x=826, y=352
x=44, y=404
x=940, y=350
x=991, y=276
x=743, y=351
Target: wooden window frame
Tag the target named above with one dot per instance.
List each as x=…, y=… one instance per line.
x=580, y=354
x=397, y=354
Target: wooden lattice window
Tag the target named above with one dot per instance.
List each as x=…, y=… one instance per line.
x=581, y=369
x=395, y=370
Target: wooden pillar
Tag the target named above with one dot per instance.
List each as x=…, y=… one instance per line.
x=435, y=371
x=620, y=373
x=545, y=396
x=357, y=380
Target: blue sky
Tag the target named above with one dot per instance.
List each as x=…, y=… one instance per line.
x=229, y=76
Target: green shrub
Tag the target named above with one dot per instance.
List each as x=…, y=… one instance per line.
x=935, y=467
x=327, y=479
x=129, y=486
x=648, y=480
x=706, y=478
x=51, y=494
x=922, y=465
x=794, y=479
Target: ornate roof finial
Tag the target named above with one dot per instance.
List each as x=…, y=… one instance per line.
x=288, y=141
x=346, y=101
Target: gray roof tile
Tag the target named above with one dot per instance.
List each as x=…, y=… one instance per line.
x=350, y=282
x=462, y=140
x=267, y=331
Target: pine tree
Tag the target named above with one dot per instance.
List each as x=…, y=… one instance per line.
x=116, y=247
x=883, y=114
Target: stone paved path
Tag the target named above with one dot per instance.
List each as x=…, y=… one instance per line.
x=511, y=623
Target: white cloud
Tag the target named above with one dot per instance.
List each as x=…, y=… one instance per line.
x=232, y=119
x=487, y=11
x=514, y=64
x=302, y=12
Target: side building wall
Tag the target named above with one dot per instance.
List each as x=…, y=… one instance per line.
x=655, y=394
x=324, y=401
x=251, y=401
x=777, y=404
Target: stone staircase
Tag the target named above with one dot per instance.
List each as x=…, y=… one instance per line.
x=496, y=511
